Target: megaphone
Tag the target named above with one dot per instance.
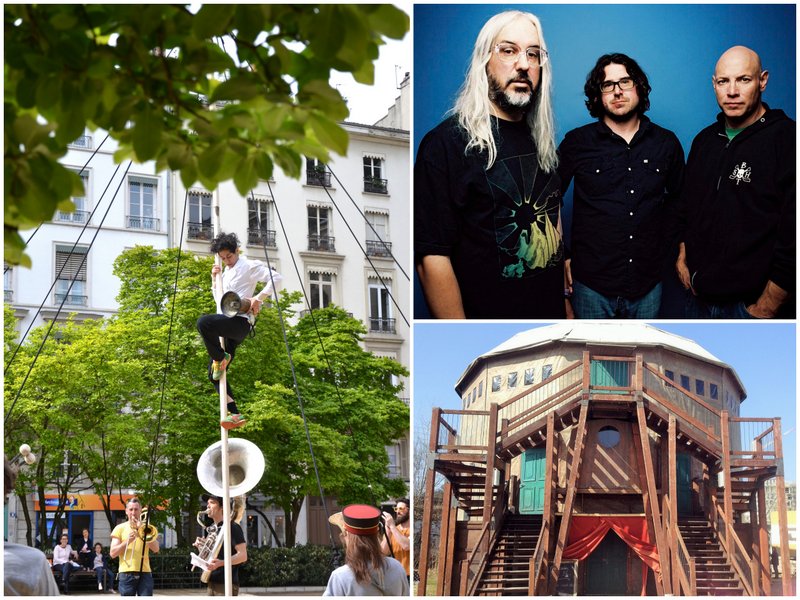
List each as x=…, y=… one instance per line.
x=232, y=305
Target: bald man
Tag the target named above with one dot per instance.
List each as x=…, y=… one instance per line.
x=737, y=250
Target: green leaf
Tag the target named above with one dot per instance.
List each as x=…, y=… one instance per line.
x=210, y=160
x=189, y=174
x=329, y=133
x=238, y=88
x=246, y=177
x=212, y=20
x=389, y=20
x=147, y=135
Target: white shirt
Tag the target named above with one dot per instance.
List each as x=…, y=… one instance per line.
x=26, y=572
x=242, y=278
x=61, y=555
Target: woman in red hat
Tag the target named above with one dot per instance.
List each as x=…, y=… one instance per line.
x=366, y=571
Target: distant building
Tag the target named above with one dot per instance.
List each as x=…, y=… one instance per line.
x=602, y=459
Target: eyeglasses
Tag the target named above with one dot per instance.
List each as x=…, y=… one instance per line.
x=401, y=508
x=626, y=83
x=508, y=53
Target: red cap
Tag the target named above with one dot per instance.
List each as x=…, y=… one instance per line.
x=361, y=519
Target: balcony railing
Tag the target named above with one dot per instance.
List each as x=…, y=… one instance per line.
x=78, y=216
x=8, y=295
x=148, y=223
x=375, y=185
x=256, y=237
x=72, y=299
x=200, y=231
x=322, y=178
x=85, y=141
x=379, y=248
x=382, y=325
x=321, y=243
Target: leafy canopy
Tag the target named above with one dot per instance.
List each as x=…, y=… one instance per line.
x=224, y=93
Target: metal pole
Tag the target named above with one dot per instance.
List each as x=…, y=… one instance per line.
x=223, y=411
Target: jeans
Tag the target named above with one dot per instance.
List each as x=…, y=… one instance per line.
x=697, y=308
x=131, y=585
x=65, y=568
x=589, y=304
x=218, y=589
x=105, y=577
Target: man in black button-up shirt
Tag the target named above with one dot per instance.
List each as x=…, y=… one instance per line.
x=628, y=173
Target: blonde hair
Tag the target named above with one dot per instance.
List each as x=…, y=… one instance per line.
x=361, y=553
x=473, y=107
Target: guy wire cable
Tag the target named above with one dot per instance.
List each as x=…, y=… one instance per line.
x=47, y=294
x=322, y=345
x=58, y=312
x=344, y=189
x=369, y=260
x=294, y=374
x=79, y=172
x=154, y=452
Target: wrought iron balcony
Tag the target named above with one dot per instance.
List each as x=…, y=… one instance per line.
x=259, y=238
x=382, y=325
x=379, y=248
x=200, y=231
x=375, y=185
x=321, y=243
x=78, y=216
x=148, y=223
x=72, y=299
x=85, y=141
x=322, y=178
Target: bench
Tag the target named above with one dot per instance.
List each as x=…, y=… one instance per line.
x=79, y=579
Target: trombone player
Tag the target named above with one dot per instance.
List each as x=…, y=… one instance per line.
x=216, y=582
x=129, y=541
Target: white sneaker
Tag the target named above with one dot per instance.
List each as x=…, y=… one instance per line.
x=100, y=586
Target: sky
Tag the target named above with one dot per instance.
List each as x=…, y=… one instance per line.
x=762, y=354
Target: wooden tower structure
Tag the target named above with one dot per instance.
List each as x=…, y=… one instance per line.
x=602, y=458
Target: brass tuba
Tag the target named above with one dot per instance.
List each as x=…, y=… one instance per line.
x=245, y=468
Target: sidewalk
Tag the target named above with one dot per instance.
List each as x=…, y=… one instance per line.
x=249, y=591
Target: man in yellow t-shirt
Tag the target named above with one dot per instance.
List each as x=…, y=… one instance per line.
x=399, y=533
x=135, y=577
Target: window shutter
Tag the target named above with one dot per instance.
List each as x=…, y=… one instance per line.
x=74, y=264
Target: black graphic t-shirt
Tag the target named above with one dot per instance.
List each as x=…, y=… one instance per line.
x=498, y=226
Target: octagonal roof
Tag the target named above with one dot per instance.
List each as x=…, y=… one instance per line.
x=617, y=333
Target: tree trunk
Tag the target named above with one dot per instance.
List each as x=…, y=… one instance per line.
x=267, y=521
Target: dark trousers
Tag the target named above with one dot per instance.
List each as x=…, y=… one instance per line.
x=65, y=568
x=233, y=329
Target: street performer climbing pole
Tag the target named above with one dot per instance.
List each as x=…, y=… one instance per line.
x=240, y=276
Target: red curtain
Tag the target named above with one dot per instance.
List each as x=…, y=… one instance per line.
x=586, y=533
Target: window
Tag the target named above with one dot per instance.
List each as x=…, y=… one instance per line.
x=608, y=436
x=685, y=383
x=142, y=205
x=547, y=371
x=71, y=276
x=260, y=229
x=529, y=376
x=319, y=237
x=512, y=380
x=669, y=375
x=81, y=212
x=497, y=381
x=200, y=227
x=713, y=391
x=378, y=234
x=84, y=141
x=474, y=393
x=317, y=173
x=700, y=387
x=8, y=283
x=380, y=309
x=320, y=289
x=373, y=175
x=480, y=389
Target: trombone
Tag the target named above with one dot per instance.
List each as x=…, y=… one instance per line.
x=146, y=533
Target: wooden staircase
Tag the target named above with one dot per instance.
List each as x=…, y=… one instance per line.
x=506, y=572
x=715, y=576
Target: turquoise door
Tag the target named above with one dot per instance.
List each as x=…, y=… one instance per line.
x=684, y=484
x=609, y=373
x=531, y=489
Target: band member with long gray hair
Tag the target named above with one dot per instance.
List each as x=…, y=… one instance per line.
x=366, y=571
x=135, y=577
x=241, y=276
x=487, y=199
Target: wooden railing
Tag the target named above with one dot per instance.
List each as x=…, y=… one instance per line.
x=734, y=549
x=687, y=574
x=536, y=562
x=464, y=431
x=472, y=570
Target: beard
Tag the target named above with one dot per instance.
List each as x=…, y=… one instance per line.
x=401, y=519
x=511, y=102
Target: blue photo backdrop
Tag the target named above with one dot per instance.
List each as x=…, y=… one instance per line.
x=677, y=45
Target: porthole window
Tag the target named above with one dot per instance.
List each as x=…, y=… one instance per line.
x=608, y=436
